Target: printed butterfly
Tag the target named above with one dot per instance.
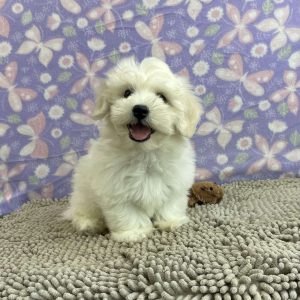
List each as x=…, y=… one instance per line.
x=235, y=72
x=151, y=33
x=37, y=148
x=44, y=48
x=15, y=94
x=90, y=73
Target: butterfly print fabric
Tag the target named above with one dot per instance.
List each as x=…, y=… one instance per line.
x=242, y=57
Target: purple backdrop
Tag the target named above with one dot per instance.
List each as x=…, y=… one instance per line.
x=243, y=58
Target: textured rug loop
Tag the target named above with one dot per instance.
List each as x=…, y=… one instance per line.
x=246, y=247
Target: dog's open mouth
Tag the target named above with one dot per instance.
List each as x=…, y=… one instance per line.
x=139, y=132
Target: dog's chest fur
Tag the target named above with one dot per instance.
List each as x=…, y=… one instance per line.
x=145, y=179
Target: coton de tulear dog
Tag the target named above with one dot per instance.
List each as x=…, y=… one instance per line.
x=141, y=168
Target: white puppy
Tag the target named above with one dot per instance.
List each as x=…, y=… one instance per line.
x=142, y=166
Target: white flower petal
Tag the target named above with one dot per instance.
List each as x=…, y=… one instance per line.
x=293, y=155
x=277, y=126
x=294, y=60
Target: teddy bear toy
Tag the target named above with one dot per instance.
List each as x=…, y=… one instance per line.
x=205, y=192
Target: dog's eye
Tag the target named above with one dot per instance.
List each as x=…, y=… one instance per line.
x=127, y=93
x=162, y=96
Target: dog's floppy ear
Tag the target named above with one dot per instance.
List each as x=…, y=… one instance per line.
x=102, y=105
x=190, y=113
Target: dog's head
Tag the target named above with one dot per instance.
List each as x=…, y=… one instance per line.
x=146, y=102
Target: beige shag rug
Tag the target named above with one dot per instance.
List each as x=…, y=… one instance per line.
x=246, y=247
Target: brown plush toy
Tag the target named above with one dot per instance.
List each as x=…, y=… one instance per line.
x=205, y=192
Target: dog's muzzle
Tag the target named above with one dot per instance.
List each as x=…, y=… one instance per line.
x=140, y=132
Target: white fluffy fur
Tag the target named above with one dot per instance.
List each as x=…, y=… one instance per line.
x=123, y=185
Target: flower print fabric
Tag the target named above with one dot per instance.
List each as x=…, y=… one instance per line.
x=242, y=57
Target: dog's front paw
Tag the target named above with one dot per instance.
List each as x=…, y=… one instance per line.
x=131, y=235
x=172, y=224
x=86, y=224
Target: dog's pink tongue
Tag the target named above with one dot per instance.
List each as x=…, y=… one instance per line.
x=140, y=131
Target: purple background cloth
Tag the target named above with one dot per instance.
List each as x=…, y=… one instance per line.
x=243, y=57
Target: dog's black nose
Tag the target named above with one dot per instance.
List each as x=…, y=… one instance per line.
x=140, y=111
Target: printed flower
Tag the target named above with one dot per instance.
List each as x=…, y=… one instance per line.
x=216, y=125
x=90, y=73
x=222, y=159
x=151, y=32
x=264, y=105
x=124, y=47
x=4, y=24
x=277, y=25
x=96, y=44
x=56, y=112
x=43, y=48
x=288, y=92
x=45, y=77
x=268, y=155
x=201, y=68
x=36, y=147
x=259, y=50
x=240, y=26
x=128, y=15
x=17, y=8
x=244, y=143
x=50, y=92
x=53, y=21
x=66, y=61
x=235, y=103
x=105, y=11
x=277, y=126
x=215, y=14
x=82, y=23
x=150, y=3
x=5, y=49
x=56, y=133
x=41, y=171
x=200, y=89
x=294, y=60
x=192, y=31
